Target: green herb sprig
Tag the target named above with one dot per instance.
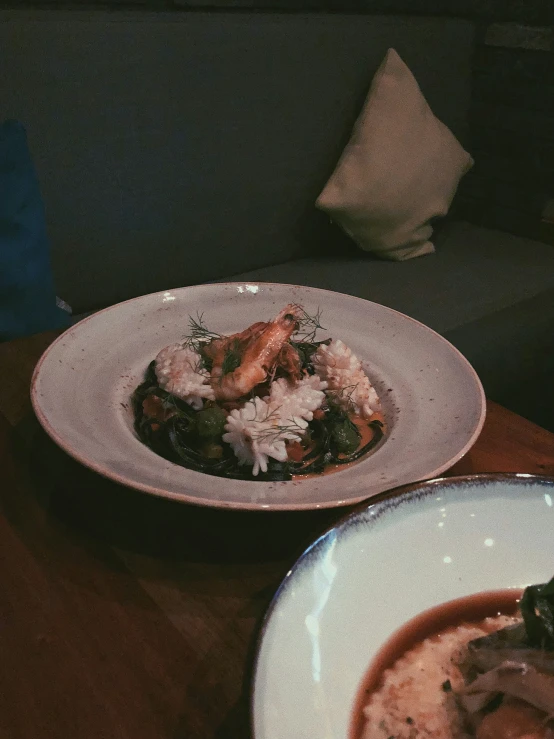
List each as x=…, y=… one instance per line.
x=308, y=325
x=231, y=359
x=537, y=610
x=199, y=333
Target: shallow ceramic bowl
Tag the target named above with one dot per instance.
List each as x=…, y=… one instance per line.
x=382, y=565
x=432, y=398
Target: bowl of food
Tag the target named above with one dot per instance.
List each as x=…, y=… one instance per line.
x=258, y=396
x=426, y=613
x=268, y=403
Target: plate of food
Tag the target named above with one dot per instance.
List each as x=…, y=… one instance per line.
x=426, y=613
x=258, y=396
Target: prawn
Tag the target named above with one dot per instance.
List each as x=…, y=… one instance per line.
x=218, y=348
x=289, y=361
x=256, y=349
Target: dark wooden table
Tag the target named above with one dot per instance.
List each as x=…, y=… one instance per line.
x=127, y=617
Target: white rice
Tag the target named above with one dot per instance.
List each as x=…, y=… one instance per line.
x=411, y=701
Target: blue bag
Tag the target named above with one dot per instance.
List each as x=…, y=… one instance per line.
x=27, y=295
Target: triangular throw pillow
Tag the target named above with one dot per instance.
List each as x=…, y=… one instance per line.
x=399, y=170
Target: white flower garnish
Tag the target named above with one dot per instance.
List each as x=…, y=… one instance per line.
x=296, y=403
x=255, y=433
x=180, y=371
x=337, y=365
x=260, y=428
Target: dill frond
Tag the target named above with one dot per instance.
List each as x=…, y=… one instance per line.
x=343, y=397
x=198, y=333
x=275, y=433
x=231, y=359
x=308, y=325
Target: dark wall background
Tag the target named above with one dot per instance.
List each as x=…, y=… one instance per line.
x=512, y=118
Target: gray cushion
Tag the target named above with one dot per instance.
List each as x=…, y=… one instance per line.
x=490, y=293
x=474, y=272
x=177, y=148
x=513, y=353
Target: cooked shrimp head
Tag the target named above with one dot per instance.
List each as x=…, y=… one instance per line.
x=242, y=361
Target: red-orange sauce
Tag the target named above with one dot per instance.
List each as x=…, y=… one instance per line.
x=472, y=609
x=366, y=435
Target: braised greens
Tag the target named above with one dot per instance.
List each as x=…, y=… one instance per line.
x=537, y=610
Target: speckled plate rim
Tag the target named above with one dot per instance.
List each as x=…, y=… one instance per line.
x=230, y=503
x=383, y=503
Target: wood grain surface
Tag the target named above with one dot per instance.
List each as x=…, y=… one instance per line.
x=123, y=616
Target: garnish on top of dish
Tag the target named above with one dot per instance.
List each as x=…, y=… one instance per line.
x=267, y=403
x=487, y=678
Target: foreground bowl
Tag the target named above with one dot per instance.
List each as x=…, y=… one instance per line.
x=432, y=399
x=412, y=549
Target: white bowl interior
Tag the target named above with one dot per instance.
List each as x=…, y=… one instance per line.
x=381, y=567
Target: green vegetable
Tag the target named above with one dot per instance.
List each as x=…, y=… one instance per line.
x=306, y=350
x=537, y=609
x=346, y=437
x=210, y=422
x=377, y=428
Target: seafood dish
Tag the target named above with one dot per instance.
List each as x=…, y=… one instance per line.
x=267, y=403
x=480, y=667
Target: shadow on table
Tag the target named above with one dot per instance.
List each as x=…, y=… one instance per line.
x=237, y=720
x=153, y=526
x=199, y=555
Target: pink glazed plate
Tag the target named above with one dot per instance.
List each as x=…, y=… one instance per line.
x=433, y=401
